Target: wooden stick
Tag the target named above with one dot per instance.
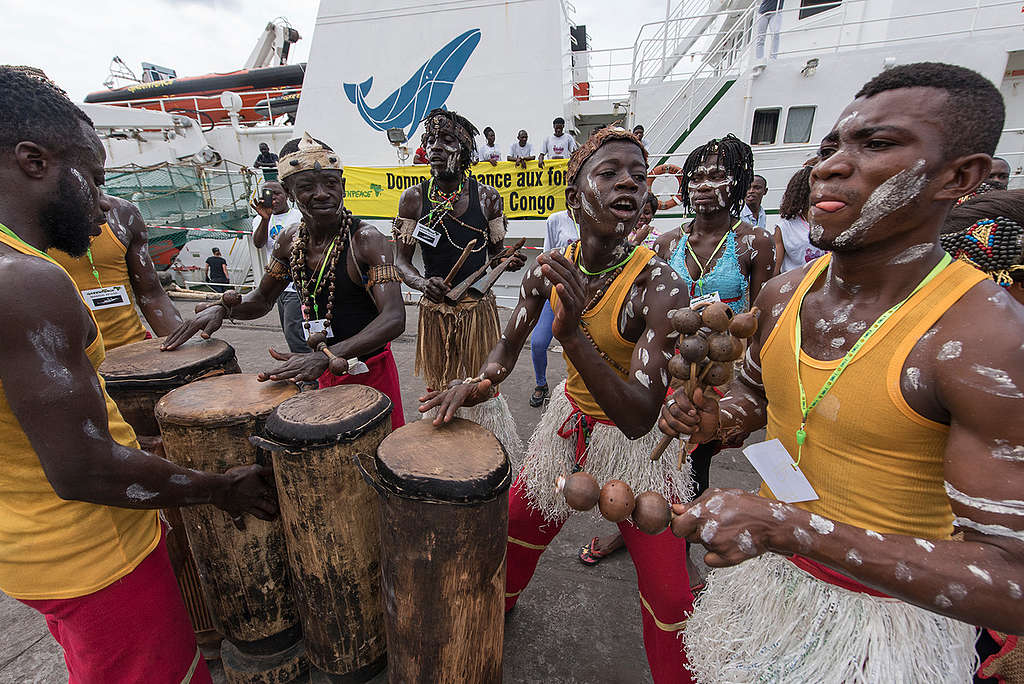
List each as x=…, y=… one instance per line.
x=458, y=264
x=459, y=291
x=659, y=449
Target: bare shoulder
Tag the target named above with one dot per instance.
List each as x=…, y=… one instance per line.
x=660, y=288
x=491, y=201
x=775, y=295
x=283, y=246
x=667, y=242
x=410, y=203
x=368, y=240
x=34, y=288
x=980, y=334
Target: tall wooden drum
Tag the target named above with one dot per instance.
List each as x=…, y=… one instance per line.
x=137, y=375
x=443, y=528
x=206, y=425
x=330, y=523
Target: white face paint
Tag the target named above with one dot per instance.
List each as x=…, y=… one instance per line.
x=913, y=377
x=1007, y=452
x=643, y=379
x=857, y=327
x=816, y=232
x=853, y=557
x=707, y=532
x=779, y=511
x=957, y=591
x=180, y=479
x=837, y=342
x=694, y=510
x=913, y=253
x=803, y=538
x=925, y=544
x=1015, y=591
x=902, y=572
x=745, y=543
x=520, y=317
x=137, y=492
x=714, y=506
x=50, y=342
x=892, y=195
x=998, y=506
x=992, y=530
x=983, y=575
x=993, y=381
x=822, y=525
x=778, y=308
x=942, y=601
x=950, y=350
x=874, y=535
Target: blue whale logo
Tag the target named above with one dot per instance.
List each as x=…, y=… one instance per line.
x=428, y=88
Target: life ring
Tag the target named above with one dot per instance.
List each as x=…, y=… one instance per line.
x=672, y=170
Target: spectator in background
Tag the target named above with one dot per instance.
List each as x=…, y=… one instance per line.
x=421, y=152
x=561, y=230
x=753, y=212
x=267, y=162
x=268, y=223
x=216, y=271
x=490, y=152
x=638, y=131
x=557, y=146
x=769, y=19
x=644, y=232
x=521, y=151
x=999, y=177
x=793, y=246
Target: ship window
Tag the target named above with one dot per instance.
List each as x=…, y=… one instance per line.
x=766, y=126
x=798, y=125
x=808, y=8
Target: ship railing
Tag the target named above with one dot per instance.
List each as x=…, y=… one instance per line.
x=207, y=110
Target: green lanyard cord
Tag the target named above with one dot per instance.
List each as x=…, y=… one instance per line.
x=579, y=262
x=8, y=231
x=703, y=267
x=95, y=273
x=805, y=410
x=320, y=275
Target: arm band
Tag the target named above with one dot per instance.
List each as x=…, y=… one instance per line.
x=383, y=273
x=496, y=228
x=402, y=229
x=278, y=269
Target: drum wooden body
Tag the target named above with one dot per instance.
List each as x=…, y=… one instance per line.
x=444, y=526
x=138, y=375
x=206, y=425
x=330, y=522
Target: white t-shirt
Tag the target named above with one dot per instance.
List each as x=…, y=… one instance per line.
x=797, y=244
x=561, y=230
x=558, y=148
x=277, y=223
x=516, y=151
x=487, y=153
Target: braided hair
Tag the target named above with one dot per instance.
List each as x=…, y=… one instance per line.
x=797, y=198
x=735, y=156
x=987, y=232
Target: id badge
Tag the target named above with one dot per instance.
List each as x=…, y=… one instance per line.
x=709, y=298
x=427, y=236
x=776, y=467
x=315, y=326
x=106, y=297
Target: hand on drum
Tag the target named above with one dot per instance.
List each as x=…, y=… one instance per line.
x=209, y=317
x=733, y=525
x=459, y=394
x=247, y=489
x=297, y=367
x=697, y=418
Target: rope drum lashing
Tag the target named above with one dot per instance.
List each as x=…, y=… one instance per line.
x=667, y=170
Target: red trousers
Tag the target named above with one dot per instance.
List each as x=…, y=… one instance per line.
x=134, y=630
x=660, y=561
x=383, y=376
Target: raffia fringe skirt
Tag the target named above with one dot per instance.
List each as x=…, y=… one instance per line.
x=610, y=456
x=766, y=620
x=454, y=341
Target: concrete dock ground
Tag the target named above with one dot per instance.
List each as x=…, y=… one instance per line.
x=573, y=625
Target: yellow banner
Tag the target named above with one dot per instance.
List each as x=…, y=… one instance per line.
x=533, y=192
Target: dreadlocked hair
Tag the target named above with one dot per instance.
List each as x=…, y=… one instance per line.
x=466, y=153
x=797, y=198
x=735, y=156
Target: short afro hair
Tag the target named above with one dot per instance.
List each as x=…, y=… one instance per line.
x=33, y=109
x=974, y=113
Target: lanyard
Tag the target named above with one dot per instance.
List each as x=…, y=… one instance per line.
x=579, y=262
x=801, y=434
x=320, y=275
x=8, y=231
x=95, y=273
x=703, y=267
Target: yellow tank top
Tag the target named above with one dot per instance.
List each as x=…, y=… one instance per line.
x=120, y=325
x=602, y=324
x=51, y=548
x=874, y=461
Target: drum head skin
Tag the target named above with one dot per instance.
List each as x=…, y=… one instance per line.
x=459, y=462
x=222, y=400
x=342, y=413
x=142, y=364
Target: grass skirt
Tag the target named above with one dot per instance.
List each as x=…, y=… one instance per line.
x=454, y=341
x=610, y=456
x=766, y=620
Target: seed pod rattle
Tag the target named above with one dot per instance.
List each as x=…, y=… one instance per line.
x=318, y=342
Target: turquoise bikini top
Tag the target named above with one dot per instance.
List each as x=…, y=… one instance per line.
x=726, y=278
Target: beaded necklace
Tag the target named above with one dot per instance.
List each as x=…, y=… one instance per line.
x=328, y=262
x=602, y=289
x=443, y=207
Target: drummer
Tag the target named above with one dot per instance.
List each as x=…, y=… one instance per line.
x=340, y=265
x=80, y=540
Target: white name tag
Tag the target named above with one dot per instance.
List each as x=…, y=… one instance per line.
x=315, y=326
x=106, y=297
x=775, y=466
x=426, y=235
x=709, y=298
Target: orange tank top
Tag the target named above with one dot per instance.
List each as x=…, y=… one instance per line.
x=874, y=462
x=51, y=548
x=602, y=324
x=120, y=325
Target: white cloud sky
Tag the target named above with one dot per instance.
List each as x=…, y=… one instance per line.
x=73, y=42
